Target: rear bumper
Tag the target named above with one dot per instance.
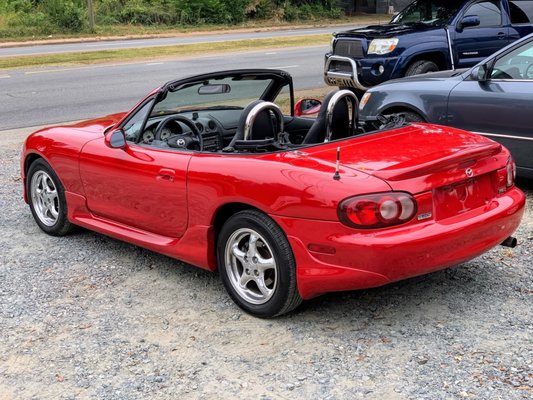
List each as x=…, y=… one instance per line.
x=366, y=259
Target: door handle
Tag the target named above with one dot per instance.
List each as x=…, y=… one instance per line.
x=501, y=35
x=166, y=174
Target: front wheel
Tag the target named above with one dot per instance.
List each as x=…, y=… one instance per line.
x=47, y=199
x=421, y=67
x=256, y=265
x=411, y=116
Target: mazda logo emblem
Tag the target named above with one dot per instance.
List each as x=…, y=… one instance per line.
x=469, y=173
x=181, y=142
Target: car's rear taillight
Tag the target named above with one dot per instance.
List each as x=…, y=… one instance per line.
x=511, y=172
x=377, y=210
x=507, y=176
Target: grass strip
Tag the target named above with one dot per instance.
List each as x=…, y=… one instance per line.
x=160, y=52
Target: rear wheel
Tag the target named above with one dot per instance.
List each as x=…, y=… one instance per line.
x=256, y=265
x=421, y=67
x=46, y=196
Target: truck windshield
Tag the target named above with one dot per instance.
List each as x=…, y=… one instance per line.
x=428, y=12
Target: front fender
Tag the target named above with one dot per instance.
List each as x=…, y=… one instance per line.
x=428, y=99
x=417, y=51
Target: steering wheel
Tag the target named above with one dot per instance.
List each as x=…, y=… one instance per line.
x=183, y=140
x=500, y=74
x=529, y=72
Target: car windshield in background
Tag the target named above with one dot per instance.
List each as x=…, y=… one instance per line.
x=214, y=93
x=428, y=12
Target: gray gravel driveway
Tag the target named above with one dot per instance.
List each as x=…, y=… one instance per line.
x=89, y=317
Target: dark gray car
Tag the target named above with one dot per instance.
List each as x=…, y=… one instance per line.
x=494, y=98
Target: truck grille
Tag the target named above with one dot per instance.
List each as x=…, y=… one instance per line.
x=349, y=48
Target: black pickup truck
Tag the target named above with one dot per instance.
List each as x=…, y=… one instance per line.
x=426, y=36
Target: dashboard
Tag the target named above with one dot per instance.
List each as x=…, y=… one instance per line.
x=217, y=128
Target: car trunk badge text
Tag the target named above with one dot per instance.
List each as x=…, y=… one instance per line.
x=427, y=215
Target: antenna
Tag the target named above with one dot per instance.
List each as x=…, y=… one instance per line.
x=337, y=176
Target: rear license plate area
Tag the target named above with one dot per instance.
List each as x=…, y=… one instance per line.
x=461, y=197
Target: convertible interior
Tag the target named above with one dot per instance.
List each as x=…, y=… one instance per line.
x=237, y=112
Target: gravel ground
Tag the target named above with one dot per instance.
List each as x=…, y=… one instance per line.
x=86, y=316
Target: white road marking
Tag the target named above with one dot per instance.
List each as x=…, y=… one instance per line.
x=4, y=76
x=155, y=63
x=270, y=54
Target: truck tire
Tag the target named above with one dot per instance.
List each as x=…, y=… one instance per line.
x=421, y=67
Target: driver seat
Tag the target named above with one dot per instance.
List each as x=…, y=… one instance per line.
x=257, y=123
x=334, y=120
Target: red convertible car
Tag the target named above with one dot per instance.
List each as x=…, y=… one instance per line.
x=210, y=171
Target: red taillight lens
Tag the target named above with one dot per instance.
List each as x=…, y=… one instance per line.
x=511, y=172
x=506, y=176
x=377, y=210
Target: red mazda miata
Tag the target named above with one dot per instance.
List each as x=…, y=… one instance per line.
x=210, y=171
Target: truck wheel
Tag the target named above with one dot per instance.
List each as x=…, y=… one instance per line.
x=421, y=67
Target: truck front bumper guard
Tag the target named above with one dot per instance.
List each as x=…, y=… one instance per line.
x=342, y=78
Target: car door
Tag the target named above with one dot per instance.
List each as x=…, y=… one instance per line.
x=474, y=43
x=140, y=186
x=502, y=106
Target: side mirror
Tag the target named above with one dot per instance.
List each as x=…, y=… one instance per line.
x=307, y=107
x=479, y=73
x=116, y=139
x=468, y=21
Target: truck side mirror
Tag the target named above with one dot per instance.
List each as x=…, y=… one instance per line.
x=468, y=21
x=116, y=139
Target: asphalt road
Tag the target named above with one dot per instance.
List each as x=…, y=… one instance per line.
x=136, y=43
x=30, y=97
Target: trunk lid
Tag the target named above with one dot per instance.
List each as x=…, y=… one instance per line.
x=417, y=158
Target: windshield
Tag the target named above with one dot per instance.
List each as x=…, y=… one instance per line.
x=428, y=12
x=227, y=92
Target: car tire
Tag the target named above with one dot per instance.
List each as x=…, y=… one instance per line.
x=411, y=116
x=421, y=67
x=46, y=197
x=256, y=265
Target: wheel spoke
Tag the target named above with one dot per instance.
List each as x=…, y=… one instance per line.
x=53, y=211
x=252, y=246
x=264, y=264
x=48, y=186
x=244, y=280
x=260, y=281
x=237, y=253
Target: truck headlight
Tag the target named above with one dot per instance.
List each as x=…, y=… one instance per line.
x=332, y=44
x=382, y=46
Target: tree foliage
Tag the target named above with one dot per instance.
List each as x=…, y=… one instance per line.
x=49, y=16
